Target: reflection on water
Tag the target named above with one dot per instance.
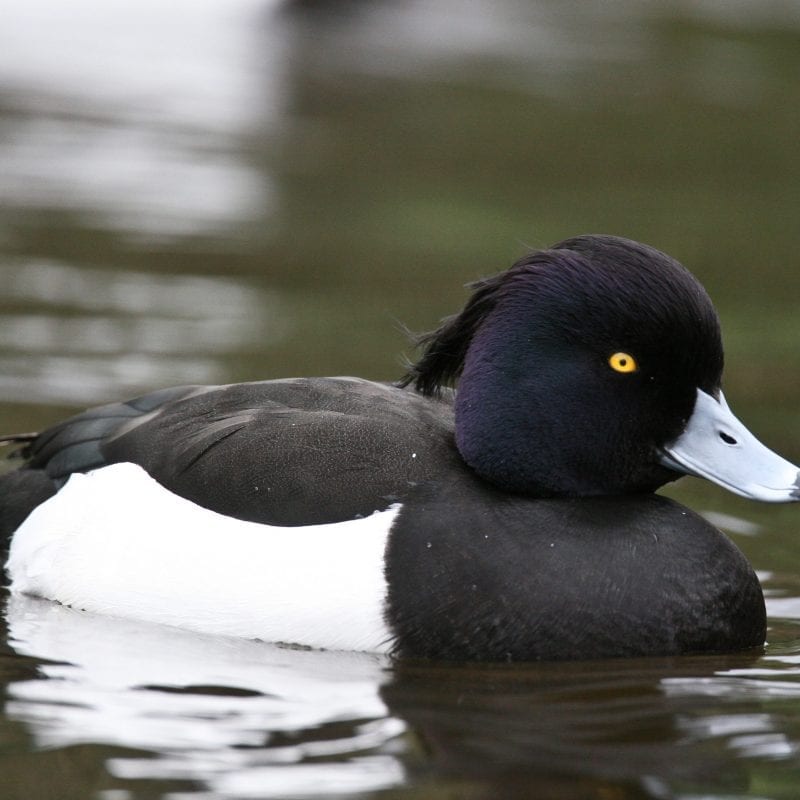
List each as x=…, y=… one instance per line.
x=243, y=718
x=121, y=332
x=133, y=112
x=240, y=719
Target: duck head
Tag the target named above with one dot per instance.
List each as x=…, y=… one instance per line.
x=594, y=368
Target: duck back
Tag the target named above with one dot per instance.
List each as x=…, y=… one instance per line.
x=284, y=452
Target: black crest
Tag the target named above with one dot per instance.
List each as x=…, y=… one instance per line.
x=444, y=349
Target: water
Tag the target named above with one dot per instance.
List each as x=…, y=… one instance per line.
x=131, y=710
x=218, y=191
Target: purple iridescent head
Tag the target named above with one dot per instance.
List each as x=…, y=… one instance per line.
x=579, y=370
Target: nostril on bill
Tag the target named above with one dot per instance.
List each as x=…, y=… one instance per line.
x=727, y=438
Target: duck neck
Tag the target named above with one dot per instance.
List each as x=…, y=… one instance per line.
x=492, y=439
x=504, y=422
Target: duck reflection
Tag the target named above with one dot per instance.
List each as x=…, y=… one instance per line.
x=241, y=718
x=247, y=719
x=610, y=729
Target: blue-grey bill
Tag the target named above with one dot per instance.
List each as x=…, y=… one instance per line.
x=717, y=446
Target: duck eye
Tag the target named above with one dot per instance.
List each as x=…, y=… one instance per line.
x=623, y=362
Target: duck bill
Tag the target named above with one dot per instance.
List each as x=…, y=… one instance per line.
x=716, y=446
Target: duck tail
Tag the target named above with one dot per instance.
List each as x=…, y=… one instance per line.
x=21, y=490
x=23, y=440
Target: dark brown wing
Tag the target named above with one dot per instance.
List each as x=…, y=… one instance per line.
x=287, y=452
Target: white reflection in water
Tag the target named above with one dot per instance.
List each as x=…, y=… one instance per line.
x=125, y=291
x=42, y=333
x=783, y=607
x=77, y=336
x=88, y=381
x=148, y=181
x=750, y=734
x=152, y=687
x=753, y=735
x=731, y=523
x=735, y=684
x=137, y=111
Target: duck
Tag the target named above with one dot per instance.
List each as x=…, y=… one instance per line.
x=496, y=503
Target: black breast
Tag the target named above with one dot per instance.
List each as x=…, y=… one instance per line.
x=477, y=574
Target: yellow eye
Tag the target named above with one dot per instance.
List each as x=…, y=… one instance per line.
x=623, y=362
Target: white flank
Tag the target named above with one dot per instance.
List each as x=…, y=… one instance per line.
x=114, y=541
